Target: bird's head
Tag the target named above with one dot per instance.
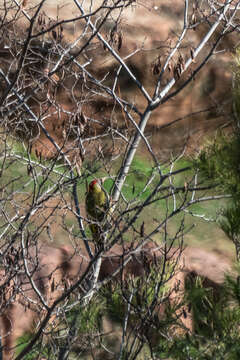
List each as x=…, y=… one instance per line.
x=94, y=186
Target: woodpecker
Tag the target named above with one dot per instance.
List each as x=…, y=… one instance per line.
x=97, y=207
x=97, y=203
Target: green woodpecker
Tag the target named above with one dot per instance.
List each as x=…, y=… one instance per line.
x=97, y=202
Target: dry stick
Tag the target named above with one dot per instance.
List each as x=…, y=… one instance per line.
x=180, y=39
x=189, y=115
x=83, y=47
x=79, y=219
x=191, y=59
x=154, y=104
x=125, y=322
x=117, y=57
x=23, y=55
x=29, y=275
x=51, y=309
x=38, y=121
x=60, y=152
x=66, y=294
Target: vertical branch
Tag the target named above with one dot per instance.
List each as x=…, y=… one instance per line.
x=79, y=219
x=119, y=182
x=125, y=323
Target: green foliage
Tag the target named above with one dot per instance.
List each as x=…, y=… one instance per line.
x=39, y=348
x=194, y=348
x=237, y=83
x=219, y=161
x=215, y=308
x=216, y=320
x=144, y=300
x=86, y=319
x=81, y=323
x=114, y=302
x=219, y=164
x=230, y=222
x=205, y=302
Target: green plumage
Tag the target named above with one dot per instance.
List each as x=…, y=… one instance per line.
x=96, y=202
